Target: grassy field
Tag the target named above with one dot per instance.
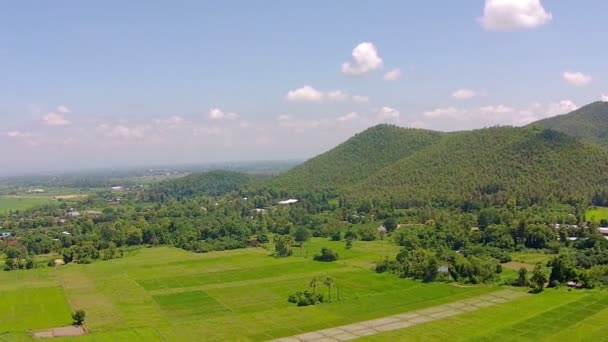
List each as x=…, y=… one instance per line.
x=168, y=294
x=20, y=203
x=596, y=214
x=554, y=315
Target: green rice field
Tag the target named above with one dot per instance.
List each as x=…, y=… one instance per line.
x=168, y=294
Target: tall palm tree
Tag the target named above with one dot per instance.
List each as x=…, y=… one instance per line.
x=314, y=283
x=328, y=282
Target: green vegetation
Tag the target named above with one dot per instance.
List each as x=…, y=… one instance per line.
x=14, y=203
x=438, y=216
x=548, y=316
x=589, y=123
x=597, y=215
x=356, y=159
x=492, y=166
x=212, y=183
x=229, y=295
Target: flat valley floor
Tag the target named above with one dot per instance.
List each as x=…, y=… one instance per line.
x=168, y=294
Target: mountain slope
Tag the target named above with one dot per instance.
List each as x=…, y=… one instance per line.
x=356, y=159
x=589, y=123
x=492, y=165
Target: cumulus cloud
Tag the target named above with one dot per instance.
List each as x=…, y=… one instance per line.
x=63, y=109
x=561, y=107
x=338, y=95
x=365, y=60
x=310, y=94
x=464, y=94
x=218, y=114
x=171, y=121
x=348, y=117
x=13, y=134
x=508, y=15
x=55, y=119
x=604, y=98
x=388, y=113
x=501, y=114
x=125, y=132
x=305, y=94
x=448, y=112
x=577, y=79
x=392, y=75
x=360, y=99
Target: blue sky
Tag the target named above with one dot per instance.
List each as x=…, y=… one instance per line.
x=117, y=83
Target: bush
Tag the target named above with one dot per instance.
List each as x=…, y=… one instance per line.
x=326, y=255
x=305, y=298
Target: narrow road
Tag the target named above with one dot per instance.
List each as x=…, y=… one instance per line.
x=401, y=321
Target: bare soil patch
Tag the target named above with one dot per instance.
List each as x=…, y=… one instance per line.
x=69, y=196
x=513, y=265
x=70, y=330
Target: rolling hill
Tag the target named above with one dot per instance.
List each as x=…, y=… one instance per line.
x=492, y=165
x=356, y=159
x=588, y=123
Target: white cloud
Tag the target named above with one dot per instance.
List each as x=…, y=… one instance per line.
x=63, y=109
x=464, y=93
x=338, y=95
x=508, y=15
x=310, y=94
x=305, y=94
x=171, y=121
x=125, y=132
x=388, y=113
x=55, y=119
x=284, y=117
x=604, y=98
x=449, y=112
x=365, y=60
x=348, y=117
x=577, y=79
x=494, y=112
x=218, y=114
x=561, y=107
x=392, y=75
x=13, y=134
x=360, y=99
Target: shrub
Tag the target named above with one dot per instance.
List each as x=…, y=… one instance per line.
x=326, y=255
x=305, y=298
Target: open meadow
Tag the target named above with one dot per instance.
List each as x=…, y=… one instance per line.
x=170, y=294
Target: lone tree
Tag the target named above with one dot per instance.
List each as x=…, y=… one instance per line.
x=314, y=283
x=538, y=279
x=328, y=282
x=78, y=317
x=282, y=245
x=522, y=277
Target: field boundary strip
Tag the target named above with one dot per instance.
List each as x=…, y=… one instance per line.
x=404, y=320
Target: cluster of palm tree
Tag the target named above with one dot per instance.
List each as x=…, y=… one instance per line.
x=327, y=281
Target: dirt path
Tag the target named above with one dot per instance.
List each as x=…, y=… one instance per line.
x=408, y=319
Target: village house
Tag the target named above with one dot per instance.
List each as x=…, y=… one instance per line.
x=288, y=202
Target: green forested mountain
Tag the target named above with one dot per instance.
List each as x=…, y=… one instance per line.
x=356, y=159
x=212, y=183
x=589, y=123
x=493, y=165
